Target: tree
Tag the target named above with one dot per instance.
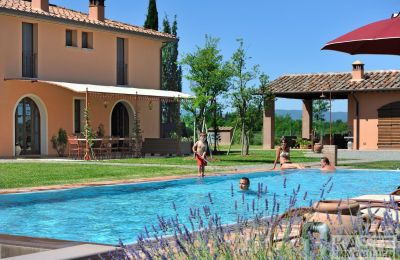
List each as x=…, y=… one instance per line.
x=209, y=76
x=152, y=16
x=320, y=106
x=171, y=77
x=243, y=93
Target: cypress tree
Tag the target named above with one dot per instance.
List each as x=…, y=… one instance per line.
x=171, y=79
x=152, y=16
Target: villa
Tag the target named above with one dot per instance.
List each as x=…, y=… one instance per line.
x=54, y=61
x=373, y=104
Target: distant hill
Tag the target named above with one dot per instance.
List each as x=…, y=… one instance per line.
x=296, y=114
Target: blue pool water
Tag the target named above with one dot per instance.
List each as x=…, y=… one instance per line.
x=106, y=214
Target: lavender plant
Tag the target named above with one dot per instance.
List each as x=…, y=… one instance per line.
x=262, y=232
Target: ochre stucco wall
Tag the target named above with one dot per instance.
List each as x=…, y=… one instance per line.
x=58, y=103
x=56, y=62
x=74, y=64
x=369, y=103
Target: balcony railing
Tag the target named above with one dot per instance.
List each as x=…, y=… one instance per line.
x=29, y=64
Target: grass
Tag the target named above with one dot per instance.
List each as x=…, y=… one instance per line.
x=385, y=165
x=18, y=175
x=256, y=157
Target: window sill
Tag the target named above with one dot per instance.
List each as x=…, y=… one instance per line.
x=87, y=49
x=71, y=47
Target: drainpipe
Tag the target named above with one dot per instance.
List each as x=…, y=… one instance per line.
x=325, y=238
x=357, y=122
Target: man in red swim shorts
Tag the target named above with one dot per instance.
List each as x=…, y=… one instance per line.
x=199, y=150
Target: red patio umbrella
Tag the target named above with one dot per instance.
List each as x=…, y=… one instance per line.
x=382, y=37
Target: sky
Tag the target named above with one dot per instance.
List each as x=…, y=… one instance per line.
x=282, y=36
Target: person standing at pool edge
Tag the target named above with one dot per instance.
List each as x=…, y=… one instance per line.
x=199, y=149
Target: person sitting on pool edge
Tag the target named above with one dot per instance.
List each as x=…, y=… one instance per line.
x=283, y=156
x=326, y=165
x=244, y=183
x=199, y=149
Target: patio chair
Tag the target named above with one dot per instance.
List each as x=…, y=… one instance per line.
x=74, y=148
x=114, y=140
x=126, y=148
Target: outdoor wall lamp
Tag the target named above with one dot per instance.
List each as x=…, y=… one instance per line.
x=150, y=105
x=322, y=95
x=105, y=103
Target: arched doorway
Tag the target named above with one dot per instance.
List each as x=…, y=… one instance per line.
x=27, y=127
x=389, y=126
x=120, y=121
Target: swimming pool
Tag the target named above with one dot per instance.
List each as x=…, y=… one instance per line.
x=109, y=213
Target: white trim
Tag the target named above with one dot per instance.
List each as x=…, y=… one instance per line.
x=44, y=140
x=131, y=112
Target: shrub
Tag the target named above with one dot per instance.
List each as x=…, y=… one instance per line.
x=59, y=142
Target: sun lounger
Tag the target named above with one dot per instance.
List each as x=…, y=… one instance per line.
x=377, y=198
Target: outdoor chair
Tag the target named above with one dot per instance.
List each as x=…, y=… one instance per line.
x=126, y=148
x=114, y=146
x=74, y=148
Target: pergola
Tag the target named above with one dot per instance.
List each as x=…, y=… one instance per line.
x=308, y=87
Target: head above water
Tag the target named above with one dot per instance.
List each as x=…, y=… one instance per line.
x=244, y=183
x=325, y=161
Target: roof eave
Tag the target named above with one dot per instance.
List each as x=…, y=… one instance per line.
x=81, y=23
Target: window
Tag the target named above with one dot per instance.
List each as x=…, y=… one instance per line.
x=29, y=50
x=122, y=67
x=87, y=40
x=70, y=38
x=78, y=116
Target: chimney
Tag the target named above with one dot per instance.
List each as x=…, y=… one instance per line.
x=358, y=71
x=96, y=10
x=42, y=5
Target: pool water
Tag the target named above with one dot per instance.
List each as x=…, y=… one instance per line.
x=109, y=213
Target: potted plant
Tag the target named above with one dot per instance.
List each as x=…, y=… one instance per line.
x=318, y=147
x=18, y=149
x=303, y=143
x=59, y=142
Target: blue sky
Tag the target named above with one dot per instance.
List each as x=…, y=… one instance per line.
x=283, y=37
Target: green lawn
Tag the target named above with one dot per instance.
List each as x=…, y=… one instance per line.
x=256, y=157
x=17, y=175
x=386, y=165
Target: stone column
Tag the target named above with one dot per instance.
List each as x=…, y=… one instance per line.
x=269, y=125
x=306, y=119
x=330, y=151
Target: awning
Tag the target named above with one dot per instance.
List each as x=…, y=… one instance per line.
x=114, y=90
x=81, y=88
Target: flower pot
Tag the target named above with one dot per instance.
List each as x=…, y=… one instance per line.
x=18, y=150
x=318, y=148
x=340, y=216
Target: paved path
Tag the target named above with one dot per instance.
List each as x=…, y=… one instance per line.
x=352, y=156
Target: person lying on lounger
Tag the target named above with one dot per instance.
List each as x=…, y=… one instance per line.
x=283, y=156
x=326, y=165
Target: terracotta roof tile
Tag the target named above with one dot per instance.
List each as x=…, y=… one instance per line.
x=339, y=82
x=68, y=14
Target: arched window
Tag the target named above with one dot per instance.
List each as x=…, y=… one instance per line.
x=27, y=127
